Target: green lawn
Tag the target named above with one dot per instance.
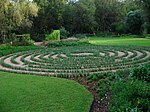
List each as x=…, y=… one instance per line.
x=120, y=41
x=26, y=93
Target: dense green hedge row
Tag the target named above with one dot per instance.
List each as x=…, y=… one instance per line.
x=5, y=49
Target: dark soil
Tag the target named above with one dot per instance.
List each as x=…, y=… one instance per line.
x=98, y=105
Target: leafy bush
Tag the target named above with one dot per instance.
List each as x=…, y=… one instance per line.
x=145, y=29
x=10, y=39
x=22, y=40
x=134, y=22
x=142, y=73
x=148, y=36
x=119, y=28
x=93, y=77
x=101, y=75
x=80, y=36
x=30, y=42
x=63, y=33
x=137, y=36
x=55, y=35
x=7, y=49
x=38, y=37
x=129, y=96
x=103, y=34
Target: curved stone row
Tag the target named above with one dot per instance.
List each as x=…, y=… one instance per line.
x=75, y=61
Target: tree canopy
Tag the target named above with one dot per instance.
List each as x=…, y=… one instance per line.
x=76, y=16
x=16, y=14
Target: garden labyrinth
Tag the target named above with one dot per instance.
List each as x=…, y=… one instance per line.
x=76, y=60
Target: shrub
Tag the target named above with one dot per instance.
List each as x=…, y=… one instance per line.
x=38, y=37
x=55, y=35
x=7, y=49
x=94, y=78
x=63, y=33
x=141, y=73
x=119, y=28
x=16, y=40
x=145, y=29
x=23, y=40
x=129, y=96
x=101, y=75
x=134, y=22
x=11, y=39
x=103, y=34
x=30, y=42
x=80, y=36
x=148, y=36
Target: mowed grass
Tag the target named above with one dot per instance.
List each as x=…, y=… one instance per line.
x=26, y=93
x=120, y=41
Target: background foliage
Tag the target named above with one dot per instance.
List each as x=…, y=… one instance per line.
x=39, y=17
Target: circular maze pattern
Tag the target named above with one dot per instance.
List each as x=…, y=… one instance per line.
x=76, y=60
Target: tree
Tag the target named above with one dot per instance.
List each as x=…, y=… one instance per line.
x=135, y=22
x=15, y=15
x=23, y=12
x=107, y=12
x=129, y=5
x=146, y=7
x=68, y=17
x=5, y=23
x=79, y=17
x=84, y=16
x=49, y=16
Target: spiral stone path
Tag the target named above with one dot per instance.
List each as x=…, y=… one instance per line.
x=78, y=60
